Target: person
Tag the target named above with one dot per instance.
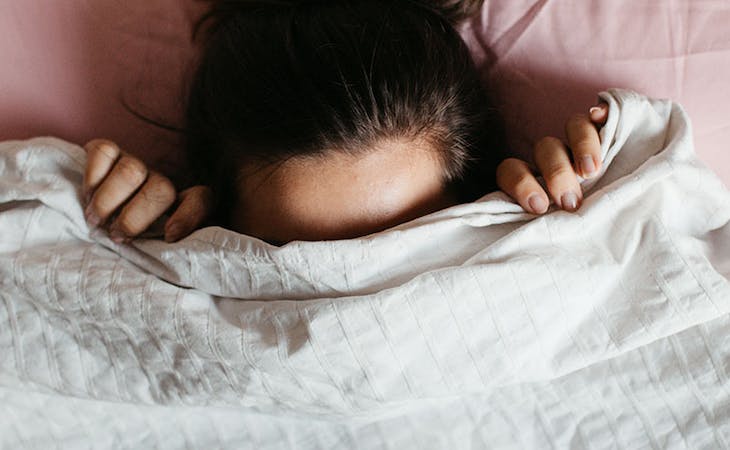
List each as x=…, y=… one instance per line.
x=313, y=120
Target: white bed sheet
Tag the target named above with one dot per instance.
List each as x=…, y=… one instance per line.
x=480, y=326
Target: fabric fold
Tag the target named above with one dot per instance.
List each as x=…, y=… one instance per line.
x=482, y=311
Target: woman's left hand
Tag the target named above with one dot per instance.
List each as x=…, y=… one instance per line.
x=553, y=160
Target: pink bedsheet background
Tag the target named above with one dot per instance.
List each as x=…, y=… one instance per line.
x=67, y=64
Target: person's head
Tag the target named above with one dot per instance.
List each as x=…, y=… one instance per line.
x=333, y=119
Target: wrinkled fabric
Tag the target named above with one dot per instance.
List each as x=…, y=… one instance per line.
x=479, y=326
x=544, y=61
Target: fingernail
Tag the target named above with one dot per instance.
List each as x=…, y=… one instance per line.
x=537, y=203
x=92, y=219
x=117, y=236
x=598, y=112
x=569, y=201
x=588, y=166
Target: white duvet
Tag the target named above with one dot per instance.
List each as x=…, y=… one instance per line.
x=480, y=326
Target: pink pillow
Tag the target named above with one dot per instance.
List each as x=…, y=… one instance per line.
x=68, y=63
x=546, y=60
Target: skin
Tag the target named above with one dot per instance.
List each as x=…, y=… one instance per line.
x=311, y=198
x=551, y=157
x=334, y=196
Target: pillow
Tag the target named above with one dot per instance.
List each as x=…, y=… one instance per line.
x=547, y=60
x=69, y=65
x=72, y=63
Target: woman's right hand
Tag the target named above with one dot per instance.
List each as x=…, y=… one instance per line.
x=119, y=190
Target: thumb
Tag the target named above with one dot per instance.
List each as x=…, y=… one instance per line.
x=195, y=205
x=599, y=114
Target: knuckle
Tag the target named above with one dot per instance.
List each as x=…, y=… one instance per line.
x=128, y=224
x=559, y=172
x=93, y=206
x=200, y=197
x=132, y=170
x=583, y=145
x=205, y=194
x=510, y=171
x=523, y=181
x=546, y=145
x=92, y=144
x=103, y=147
x=99, y=204
x=504, y=167
x=549, y=141
x=510, y=164
x=159, y=189
x=577, y=120
x=548, y=150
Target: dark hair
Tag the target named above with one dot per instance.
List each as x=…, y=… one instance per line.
x=455, y=11
x=280, y=79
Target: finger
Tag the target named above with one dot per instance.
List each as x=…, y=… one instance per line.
x=127, y=175
x=196, y=205
x=585, y=143
x=599, y=114
x=515, y=178
x=553, y=161
x=101, y=156
x=155, y=197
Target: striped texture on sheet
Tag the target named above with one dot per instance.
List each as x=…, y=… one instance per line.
x=479, y=326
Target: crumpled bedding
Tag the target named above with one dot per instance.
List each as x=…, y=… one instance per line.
x=479, y=326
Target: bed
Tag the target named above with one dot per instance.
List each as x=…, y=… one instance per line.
x=464, y=329
x=73, y=62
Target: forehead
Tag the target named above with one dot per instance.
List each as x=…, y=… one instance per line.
x=337, y=195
